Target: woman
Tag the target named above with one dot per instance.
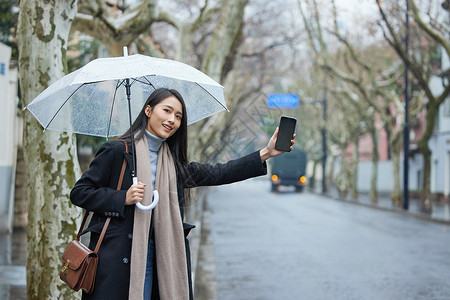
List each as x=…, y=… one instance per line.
x=145, y=255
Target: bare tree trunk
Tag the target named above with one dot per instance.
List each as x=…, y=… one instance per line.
x=396, y=195
x=342, y=178
x=373, y=179
x=425, y=199
x=225, y=39
x=312, y=179
x=396, y=144
x=184, y=45
x=217, y=63
x=354, y=168
x=50, y=158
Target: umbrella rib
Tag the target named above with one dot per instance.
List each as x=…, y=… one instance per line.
x=65, y=101
x=112, y=109
x=133, y=81
x=119, y=83
x=145, y=77
x=212, y=96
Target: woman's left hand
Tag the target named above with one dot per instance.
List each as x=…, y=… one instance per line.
x=270, y=150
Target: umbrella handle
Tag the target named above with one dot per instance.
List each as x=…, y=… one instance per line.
x=155, y=199
x=151, y=206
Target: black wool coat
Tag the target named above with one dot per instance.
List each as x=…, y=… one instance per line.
x=96, y=192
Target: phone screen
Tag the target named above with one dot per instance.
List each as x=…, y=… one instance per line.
x=285, y=132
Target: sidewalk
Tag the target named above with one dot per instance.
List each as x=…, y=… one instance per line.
x=440, y=211
x=12, y=265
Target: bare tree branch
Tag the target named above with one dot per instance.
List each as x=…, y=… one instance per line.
x=436, y=35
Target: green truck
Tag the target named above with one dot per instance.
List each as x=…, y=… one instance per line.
x=289, y=169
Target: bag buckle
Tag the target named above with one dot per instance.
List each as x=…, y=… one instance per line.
x=65, y=268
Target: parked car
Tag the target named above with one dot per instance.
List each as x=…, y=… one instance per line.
x=289, y=169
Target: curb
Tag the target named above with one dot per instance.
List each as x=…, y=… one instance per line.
x=419, y=216
x=205, y=287
x=195, y=216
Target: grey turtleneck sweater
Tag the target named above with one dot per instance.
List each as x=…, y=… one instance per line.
x=154, y=143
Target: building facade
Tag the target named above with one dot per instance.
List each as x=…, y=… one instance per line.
x=9, y=137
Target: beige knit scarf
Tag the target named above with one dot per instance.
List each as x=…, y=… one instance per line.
x=169, y=235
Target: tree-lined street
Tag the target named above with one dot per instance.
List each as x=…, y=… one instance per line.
x=371, y=83
x=305, y=246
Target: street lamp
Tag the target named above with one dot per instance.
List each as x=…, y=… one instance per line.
x=324, y=139
x=323, y=131
x=406, y=125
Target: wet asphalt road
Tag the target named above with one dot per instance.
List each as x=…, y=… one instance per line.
x=304, y=246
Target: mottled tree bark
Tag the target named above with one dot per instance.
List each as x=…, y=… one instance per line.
x=50, y=157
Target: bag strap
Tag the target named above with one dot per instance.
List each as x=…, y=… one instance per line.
x=119, y=185
x=82, y=225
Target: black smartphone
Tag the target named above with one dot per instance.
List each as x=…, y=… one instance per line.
x=285, y=132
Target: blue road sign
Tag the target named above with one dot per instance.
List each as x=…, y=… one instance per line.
x=283, y=101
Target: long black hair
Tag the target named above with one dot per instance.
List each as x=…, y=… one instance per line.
x=177, y=142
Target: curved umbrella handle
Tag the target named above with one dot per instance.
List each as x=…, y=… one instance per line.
x=151, y=206
x=155, y=199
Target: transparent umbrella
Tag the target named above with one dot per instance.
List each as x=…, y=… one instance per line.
x=93, y=99
x=105, y=96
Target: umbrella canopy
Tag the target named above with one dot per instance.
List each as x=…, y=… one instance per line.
x=106, y=95
x=93, y=99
